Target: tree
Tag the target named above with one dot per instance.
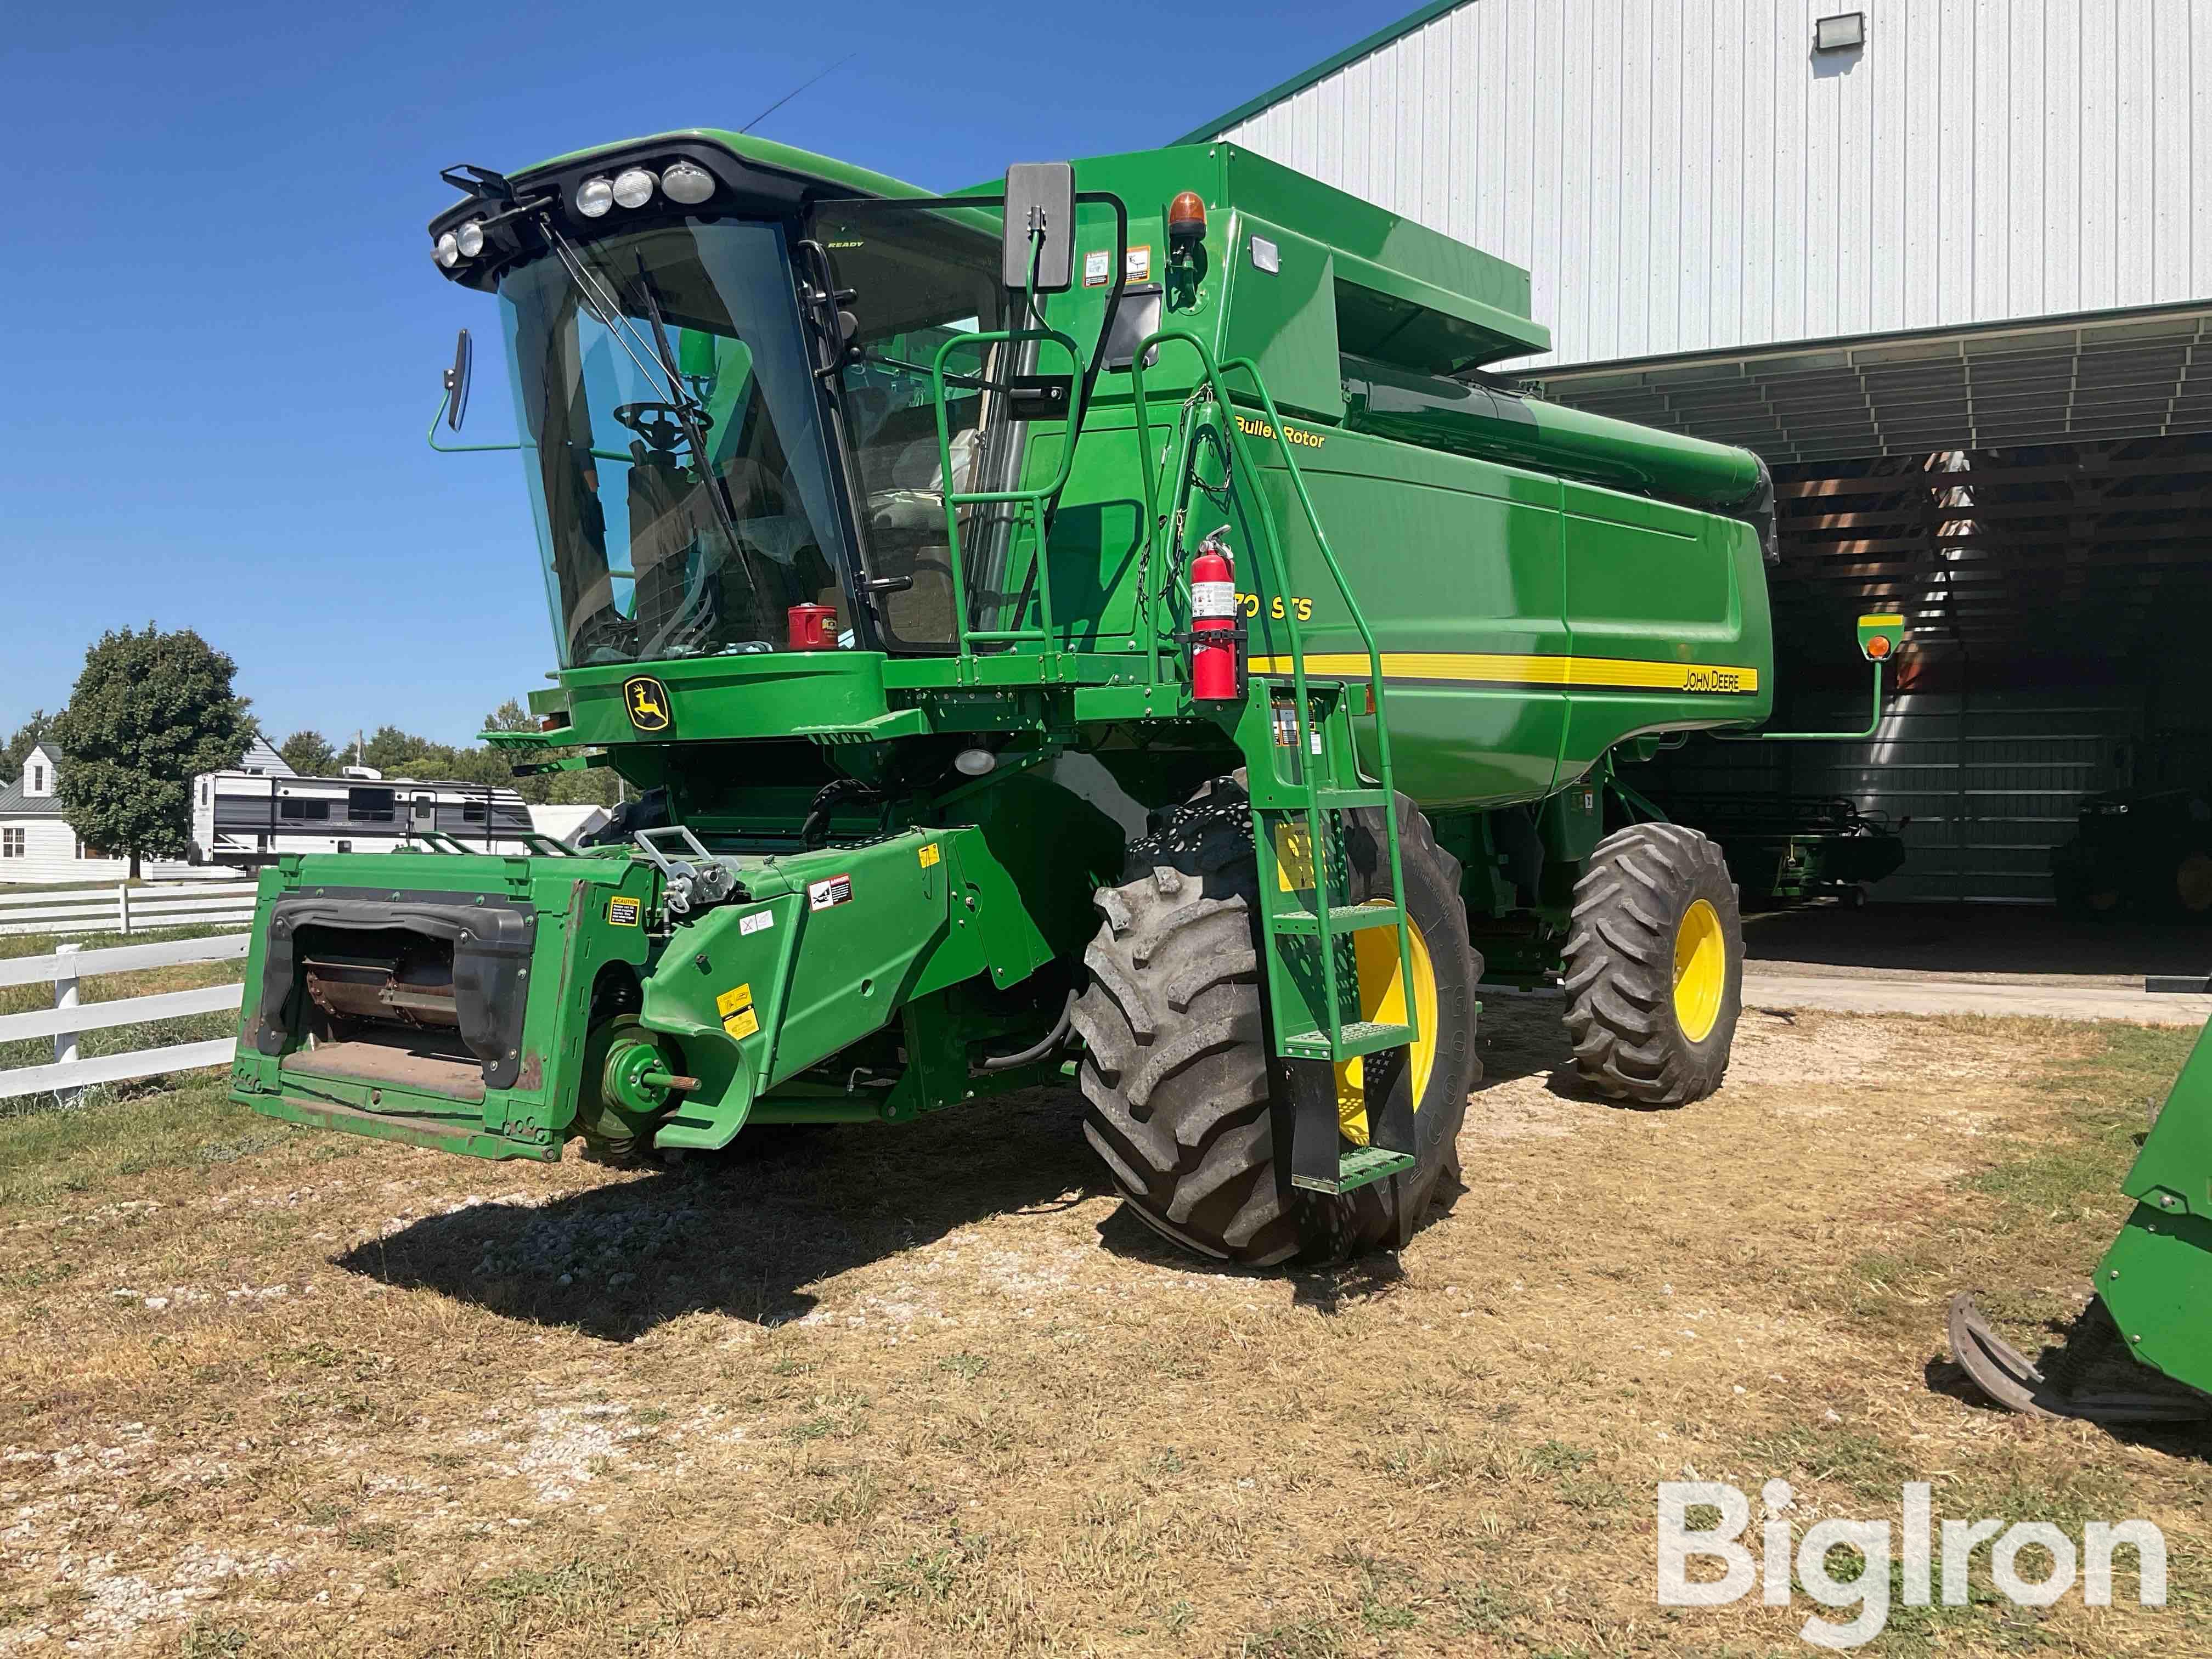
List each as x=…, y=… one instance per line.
x=309, y=754
x=28, y=736
x=396, y=754
x=149, y=711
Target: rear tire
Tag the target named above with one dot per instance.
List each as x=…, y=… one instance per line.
x=1652, y=893
x=1185, y=1101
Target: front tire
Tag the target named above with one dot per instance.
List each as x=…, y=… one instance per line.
x=1654, y=966
x=1185, y=1101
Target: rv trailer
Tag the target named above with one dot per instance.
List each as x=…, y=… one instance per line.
x=246, y=820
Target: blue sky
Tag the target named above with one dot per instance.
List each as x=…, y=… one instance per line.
x=223, y=332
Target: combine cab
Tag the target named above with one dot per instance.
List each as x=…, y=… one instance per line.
x=1107, y=623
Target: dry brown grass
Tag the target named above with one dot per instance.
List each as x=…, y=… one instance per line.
x=922, y=1391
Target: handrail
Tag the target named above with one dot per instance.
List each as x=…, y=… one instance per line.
x=1234, y=433
x=1029, y=502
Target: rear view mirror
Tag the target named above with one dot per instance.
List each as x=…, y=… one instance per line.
x=457, y=383
x=1039, y=225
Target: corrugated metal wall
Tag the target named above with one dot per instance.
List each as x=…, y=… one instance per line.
x=1686, y=175
x=1990, y=781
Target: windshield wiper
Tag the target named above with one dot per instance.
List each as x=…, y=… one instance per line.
x=607, y=308
x=688, y=410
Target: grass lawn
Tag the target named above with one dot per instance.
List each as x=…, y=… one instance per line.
x=924, y=1390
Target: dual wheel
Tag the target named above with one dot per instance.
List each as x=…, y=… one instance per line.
x=1187, y=1105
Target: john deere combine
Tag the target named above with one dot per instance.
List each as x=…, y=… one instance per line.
x=1111, y=616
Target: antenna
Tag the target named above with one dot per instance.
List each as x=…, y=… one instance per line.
x=795, y=91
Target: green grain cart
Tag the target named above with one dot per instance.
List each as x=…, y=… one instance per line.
x=868, y=519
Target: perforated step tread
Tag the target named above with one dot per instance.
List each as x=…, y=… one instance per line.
x=1359, y=1166
x=1361, y=1037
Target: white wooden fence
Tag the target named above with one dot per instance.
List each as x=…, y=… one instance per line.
x=126, y=909
x=68, y=1019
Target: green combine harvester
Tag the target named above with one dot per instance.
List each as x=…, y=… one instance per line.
x=1107, y=619
x=2141, y=1351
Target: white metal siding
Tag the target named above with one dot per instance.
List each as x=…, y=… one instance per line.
x=1685, y=175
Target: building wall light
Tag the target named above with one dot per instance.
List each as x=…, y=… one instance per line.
x=1840, y=32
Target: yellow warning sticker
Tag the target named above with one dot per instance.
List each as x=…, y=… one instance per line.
x=730, y=1001
x=623, y=912
x=929, y=855
x=743, y=1024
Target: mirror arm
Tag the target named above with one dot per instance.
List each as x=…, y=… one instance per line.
x=1873, y=724
x=431, y=436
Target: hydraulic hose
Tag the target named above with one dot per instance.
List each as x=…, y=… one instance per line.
x=1030, y=1056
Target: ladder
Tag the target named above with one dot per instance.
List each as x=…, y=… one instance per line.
x=1302, y=768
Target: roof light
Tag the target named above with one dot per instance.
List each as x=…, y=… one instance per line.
x=688, y=183
x=470, y=240
x=594, y=197
x=447, y=253
x=633, y=187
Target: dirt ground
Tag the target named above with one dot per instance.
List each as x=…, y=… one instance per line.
x=924, y=1391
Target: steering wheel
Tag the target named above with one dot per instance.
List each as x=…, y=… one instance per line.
x=661, y=425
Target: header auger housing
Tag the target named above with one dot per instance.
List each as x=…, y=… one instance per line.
x=992, y=833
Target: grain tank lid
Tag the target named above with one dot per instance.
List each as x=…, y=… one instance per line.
x=1405, y=293
x=1495, y=421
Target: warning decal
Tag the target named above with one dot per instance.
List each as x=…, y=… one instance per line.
x=736, y=1008
x=624, y=912
x=821, y=895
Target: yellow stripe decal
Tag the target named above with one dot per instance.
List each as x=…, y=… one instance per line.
x=1616, y=673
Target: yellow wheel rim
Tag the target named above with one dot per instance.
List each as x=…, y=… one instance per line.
x=1700, y=969
x=1382, y=999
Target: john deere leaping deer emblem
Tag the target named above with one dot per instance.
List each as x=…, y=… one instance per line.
x=646, y=699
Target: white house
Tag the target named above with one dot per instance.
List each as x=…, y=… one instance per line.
x=38, y=845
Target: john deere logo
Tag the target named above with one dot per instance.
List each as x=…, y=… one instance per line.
x=646, y=699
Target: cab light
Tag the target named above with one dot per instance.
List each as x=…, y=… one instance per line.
x=688, y=184
x=594, y=197
x=470, y=238
x=447, y=253
x=633, y=187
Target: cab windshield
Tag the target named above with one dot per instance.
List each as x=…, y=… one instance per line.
x=643, y=562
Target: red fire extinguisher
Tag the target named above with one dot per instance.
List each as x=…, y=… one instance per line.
x=1216, y=641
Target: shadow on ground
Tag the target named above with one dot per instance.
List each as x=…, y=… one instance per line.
x=744, y=1236
x=1994, y=939
x=1527, y=1036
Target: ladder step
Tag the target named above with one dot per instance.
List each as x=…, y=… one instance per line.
x=1342, y=918
x=1359, y=1166
x=1360, y=1037
x=1346, y=800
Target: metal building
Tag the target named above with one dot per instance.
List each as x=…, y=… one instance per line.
x=1945, y=264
